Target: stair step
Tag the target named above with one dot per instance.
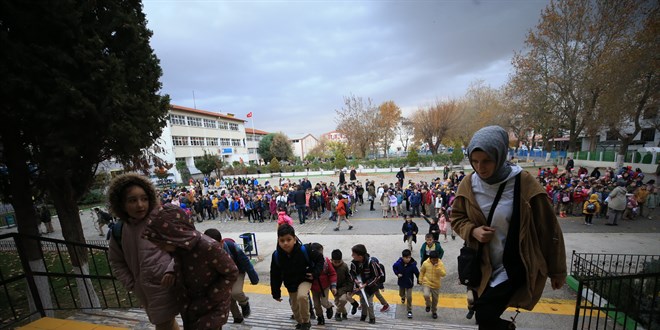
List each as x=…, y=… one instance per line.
x=266, y=318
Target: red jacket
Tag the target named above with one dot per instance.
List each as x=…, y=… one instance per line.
x=341, y=207
x=327, y=278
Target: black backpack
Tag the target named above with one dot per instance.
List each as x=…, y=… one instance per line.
x=591, y=207
x=381, y=268
x=313, y=201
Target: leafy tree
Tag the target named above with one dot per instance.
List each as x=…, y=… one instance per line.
x=413, y=157
x=457, y=155
x=280, y=147
x=264, y=146
x=182, y=167
x=99, y=100
x=207, y=163
x=389, y=116
x=274, y=165
x=340, y=160
x=356, y=120
x=434, y=123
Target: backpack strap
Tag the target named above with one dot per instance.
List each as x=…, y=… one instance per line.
x=116, y=231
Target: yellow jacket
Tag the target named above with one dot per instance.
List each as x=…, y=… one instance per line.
x=430, y=274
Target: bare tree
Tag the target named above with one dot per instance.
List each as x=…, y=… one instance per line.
x=405, y=131
x=357, y=120
x=434, y=123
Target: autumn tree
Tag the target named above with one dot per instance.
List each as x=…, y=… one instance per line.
x=433, y=123
x=481, y=106
x=389, y=115
x=100, y=99
x=357, y=120
x=281, y=147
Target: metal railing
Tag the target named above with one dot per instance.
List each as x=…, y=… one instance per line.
x=65, y=284
x=616, y=291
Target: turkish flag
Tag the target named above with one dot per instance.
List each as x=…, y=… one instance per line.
x=249, y=115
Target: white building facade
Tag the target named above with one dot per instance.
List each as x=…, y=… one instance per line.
x=253, y=137
x=303, y=145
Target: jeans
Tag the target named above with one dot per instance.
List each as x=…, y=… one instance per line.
x=301, y=213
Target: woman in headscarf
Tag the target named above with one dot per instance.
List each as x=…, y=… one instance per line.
x=523, y=244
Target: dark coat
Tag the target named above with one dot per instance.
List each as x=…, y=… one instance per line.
x=290, y=269
x=408, y=272
x=344, y=280
x=299, y=198
x=241, y=260
x=368, y=271
x=409, y=229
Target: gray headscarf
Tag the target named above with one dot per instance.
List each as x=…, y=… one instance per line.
x=494, y=141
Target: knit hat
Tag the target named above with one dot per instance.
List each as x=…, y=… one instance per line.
x=494, y=141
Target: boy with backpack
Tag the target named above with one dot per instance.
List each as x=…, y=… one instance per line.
x=321, y=287
x=432, y=271
x=366, y=273
x=406, y=269
x=590, y=207
x=344, y=287
x=429, y=246
x=297, y=266
x=342, y=209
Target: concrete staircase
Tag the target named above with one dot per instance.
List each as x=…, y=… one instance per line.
x=271, y=317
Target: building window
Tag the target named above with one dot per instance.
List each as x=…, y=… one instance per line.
x=236, y=142
x=223, y=125
x=211, y=141
x=648, y=134
x=177, y=119
x=252, y=151
x=194, y=121
x=196, y=141
x=180, y=159
x=180, y=140
x=249, y=137
x=233, y=126
x=209, y=123
x=225, y=142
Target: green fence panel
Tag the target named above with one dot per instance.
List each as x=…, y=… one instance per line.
x=647, y=158
x=609, y=156
x=595, y=155
x=582, y=155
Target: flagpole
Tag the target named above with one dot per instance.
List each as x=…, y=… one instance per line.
x=254, y=138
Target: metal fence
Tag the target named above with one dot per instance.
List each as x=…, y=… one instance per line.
x=20, y=277
x=616, y=291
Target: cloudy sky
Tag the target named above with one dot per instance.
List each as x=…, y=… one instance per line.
x=292, y=62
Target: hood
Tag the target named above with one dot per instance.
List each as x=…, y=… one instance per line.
x=593, y=198
x=172, y=226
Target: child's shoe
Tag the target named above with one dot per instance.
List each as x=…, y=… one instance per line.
x=403, y=300
x=372, y=321
x=354, y=308
x=410, y=315
x=329, y=313
x=338, y=317
x=385, y=308
x=344, y=316
x=435, y=315
x=428, y=309
x=350, y=227
x=320, y=320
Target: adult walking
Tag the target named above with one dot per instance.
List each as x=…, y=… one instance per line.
x=400, y=176
x=300, y=200
x=342, y=177
x=617, y=203
x=521, y=242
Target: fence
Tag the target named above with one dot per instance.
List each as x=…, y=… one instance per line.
x=65, y=284
x=616, y=291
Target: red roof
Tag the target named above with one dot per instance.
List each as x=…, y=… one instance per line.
x=208, y=113
x=255, y=131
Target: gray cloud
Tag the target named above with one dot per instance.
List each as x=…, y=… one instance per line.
x=292, y=62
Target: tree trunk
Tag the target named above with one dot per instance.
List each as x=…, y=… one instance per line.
x=26, y=216
x=623, y=150
x=86, y=292
x=43, y=287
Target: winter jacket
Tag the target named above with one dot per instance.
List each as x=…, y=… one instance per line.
x=299, y=198
x=367, y=272
x=205, y=272
x=408, y=272
x=241, y=260
x=409, y=229
x=423, y=254
x=415, y=199
x=140, y=265
x=290, y=269
x=344, y=280
x=341, y=207
x=617, y=199
x=431, y=274
x=327, y=277
x=593, y=199
x=542, y=248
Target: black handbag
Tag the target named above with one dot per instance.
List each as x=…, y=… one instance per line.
x=469, y=259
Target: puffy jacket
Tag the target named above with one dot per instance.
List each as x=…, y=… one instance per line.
x=617, y=199
x=431, y=274
x=436, y=247
x=241, y=260
x=408, y=272
x=327, y=277
x=140, y=265
x=409, y=229
x=290, y=269
x=368, y=271
x=416, y=199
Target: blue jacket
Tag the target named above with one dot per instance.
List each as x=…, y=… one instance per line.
x=416, y=199
x=241, y=260
x=408, y=272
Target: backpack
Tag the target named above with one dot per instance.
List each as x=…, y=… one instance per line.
x=591, y=207
x=565, y=197
x=303, y=248
x=381, y=268
x=313, y=201
x=116, y=231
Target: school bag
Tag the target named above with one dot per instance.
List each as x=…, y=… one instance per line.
x=381, y=268
x=591, y=207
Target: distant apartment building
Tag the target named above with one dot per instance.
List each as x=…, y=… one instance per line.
x=303, y=145
x=191, y=132
x=253, y=137
x=334, y=136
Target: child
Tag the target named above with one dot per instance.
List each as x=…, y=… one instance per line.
x=321, y=288
x=409, y=230
x=238, y=297
x=341, y=212
x=432, y=271
x=434, y=228
x=428, y=247
x=344, y=287
x=393, y=204
x=406, y=269
x=366, y=276
x=444, y=226
x=590, y=207
x=385, y=204
x=289, y=265
x=210, y=273
x=283, y=218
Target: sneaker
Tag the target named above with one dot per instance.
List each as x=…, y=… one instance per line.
x=329, y=313
x=238, y=320
x=410, y=315
x=453, y=237
x=245, y=310
x=350, y=227
x=312, y=315
x=336, y=229
x=320, y=320
x=403, y=300
x=385, y=308
x=292, y=317
x=354, y=308
x=428, y=309
x=306, y=326
x=372, y=321
x=338, y=317
x=298, y=326
x=435, y=315
x=344, y=316
x=363, y=318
